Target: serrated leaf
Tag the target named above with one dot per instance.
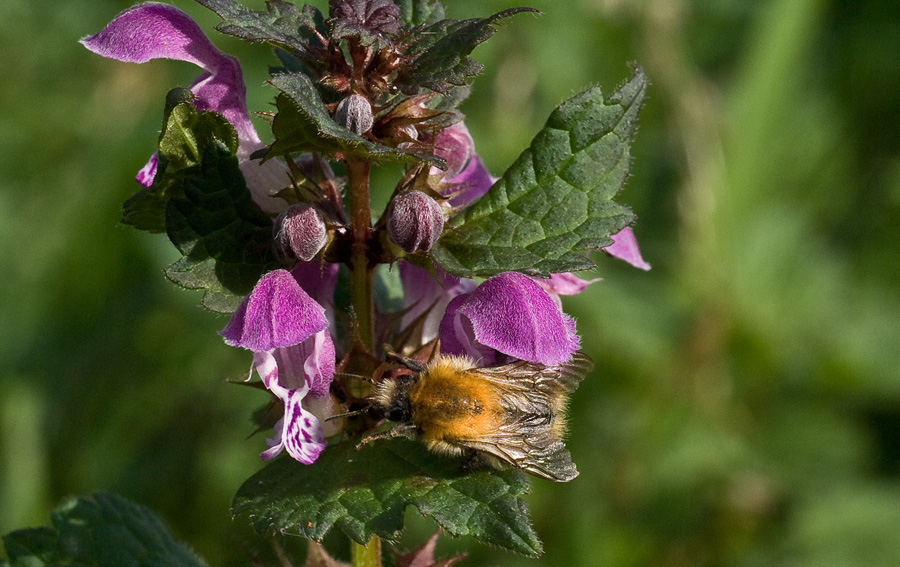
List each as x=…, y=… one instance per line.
x=419, y=12
x=365, y=493
x=225, y=238
x=554, y=205
x=303, y=124
x=184, y=134
x=283, y=23
x=104, y=530
x=187, y=132
x=438, y=54
x=205, y=275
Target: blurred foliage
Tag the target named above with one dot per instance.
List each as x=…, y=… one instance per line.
x=746, y=406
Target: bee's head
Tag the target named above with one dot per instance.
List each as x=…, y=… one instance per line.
x=391, y=398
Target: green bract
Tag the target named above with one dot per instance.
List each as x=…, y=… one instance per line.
x=439, y=58
x=303, y=124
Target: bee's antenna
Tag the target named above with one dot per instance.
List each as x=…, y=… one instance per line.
x=348, y=413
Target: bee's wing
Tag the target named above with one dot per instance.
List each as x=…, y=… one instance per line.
x=531, y=394
x=570, y=373
x=535, y=381
x=535, y=451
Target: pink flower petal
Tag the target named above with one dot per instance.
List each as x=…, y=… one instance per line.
x=299, y=431
x=625, y=247
x=472, y=183
x=277, y=313
x=564, y=284
x=424, y=292
x=147, y=173
x=456, y=146
x=512, y=315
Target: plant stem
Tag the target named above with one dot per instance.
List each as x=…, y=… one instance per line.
x=368, y=555
x=360, y=267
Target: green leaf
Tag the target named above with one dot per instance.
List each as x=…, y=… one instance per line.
x=283, y=23
x=104, y=530
x=303, y=124
x=554, y=205
x=365, y=492
x=225, y=238
x=418, y=12
x=438, y=54
x=200, y=199
x=184, y=134
x=187, y=132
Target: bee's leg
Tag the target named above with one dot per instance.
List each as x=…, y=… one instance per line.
x=471, y=462
x=474, y=460
x=407, y=430
x=409, y=363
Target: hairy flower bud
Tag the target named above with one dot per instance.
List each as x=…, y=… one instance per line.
x=300, y=232
x=415, y=222
x=355, y=114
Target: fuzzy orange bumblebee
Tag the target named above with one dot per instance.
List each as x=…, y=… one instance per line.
x=514, y=413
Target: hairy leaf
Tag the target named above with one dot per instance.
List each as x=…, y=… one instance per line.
x=365, y=492
x=438, y=54
x=418, y=12
x=103, y=530
x=224, y=236
x=184, y=134
x=554, y=205
x=283, y=23
x=303, y=124
x=367, y=21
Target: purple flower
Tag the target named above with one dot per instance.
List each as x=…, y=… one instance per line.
x=426, y=295
x=318, y=280
x=466, y=175
x=293, y=354
x=147, y=173
x=153, y=30
x=455, y=145
x=510, y=314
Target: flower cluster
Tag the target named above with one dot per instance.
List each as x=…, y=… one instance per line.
x=379, y=99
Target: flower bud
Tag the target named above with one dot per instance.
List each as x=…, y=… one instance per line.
x=457, y=147
x=416, y=221
x=355, y=114
x=300, y=232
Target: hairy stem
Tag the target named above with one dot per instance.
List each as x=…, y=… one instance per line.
x=360, y=267
x=368, y=555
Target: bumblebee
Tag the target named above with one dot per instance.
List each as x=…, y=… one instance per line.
x=514, y=413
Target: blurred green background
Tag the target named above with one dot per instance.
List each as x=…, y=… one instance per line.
x=745, y=409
